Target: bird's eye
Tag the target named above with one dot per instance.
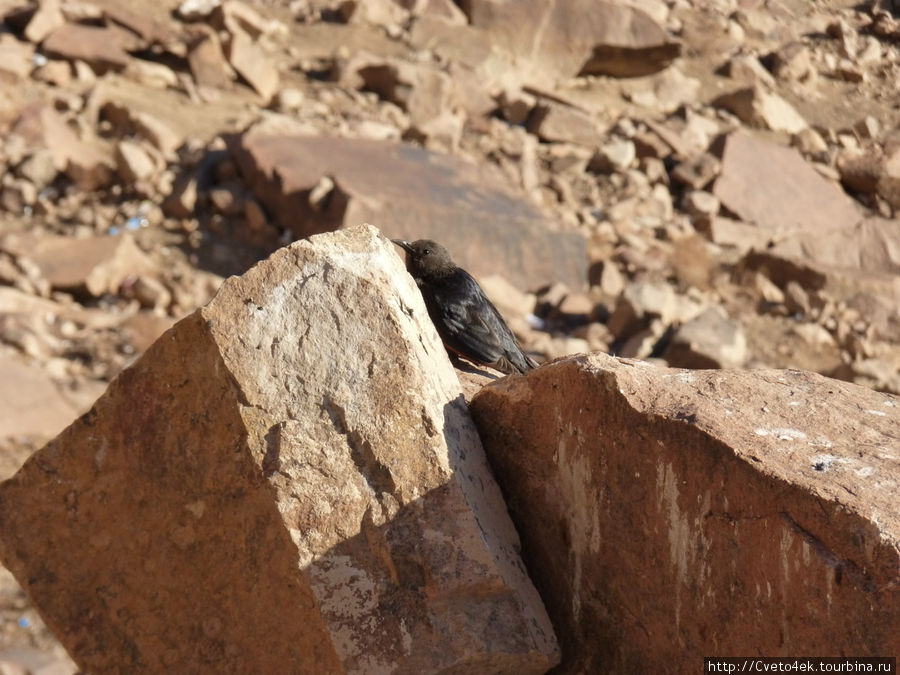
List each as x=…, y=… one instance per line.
x=426, y=251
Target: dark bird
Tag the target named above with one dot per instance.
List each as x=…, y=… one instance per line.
x=469, y=325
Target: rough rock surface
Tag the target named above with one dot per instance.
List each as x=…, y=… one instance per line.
x=414, y=194
x=667, y=514
x=287, y=481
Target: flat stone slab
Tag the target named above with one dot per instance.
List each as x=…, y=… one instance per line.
x=413, y=194
x=774, y=188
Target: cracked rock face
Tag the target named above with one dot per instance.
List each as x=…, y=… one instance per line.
x=679, y=512
x=287, y=481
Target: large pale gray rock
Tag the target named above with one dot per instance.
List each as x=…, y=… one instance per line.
x=412, y=194
x=667, y=514
x=287, y=481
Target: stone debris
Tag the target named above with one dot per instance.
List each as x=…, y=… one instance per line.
x=423, y=92
x=872, y=245
x=162, y=136
x=793, y=63
x=16, y=58
x=152, y=74
x=516, y=105
x=734, y=233
x=889, y=180
x=701, y=204
x=149, y=30
x=697, y=173
x=639, y=303
x=618, y=155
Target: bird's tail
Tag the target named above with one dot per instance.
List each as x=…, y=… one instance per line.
x=518, y=362
x=530, y=361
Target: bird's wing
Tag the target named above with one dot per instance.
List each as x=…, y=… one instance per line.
x=472, y=325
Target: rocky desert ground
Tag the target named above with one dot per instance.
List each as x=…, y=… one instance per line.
x=702, y=184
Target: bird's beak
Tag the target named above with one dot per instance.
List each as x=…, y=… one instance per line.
x=402, y=243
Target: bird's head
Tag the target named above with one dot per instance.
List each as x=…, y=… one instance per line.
x=426, y=258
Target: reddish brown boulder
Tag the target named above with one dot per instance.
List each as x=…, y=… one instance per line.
x=668, y=515
x=413, y=194
x=287, y=481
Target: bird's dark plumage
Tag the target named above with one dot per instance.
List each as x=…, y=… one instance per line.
x=467, y=322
